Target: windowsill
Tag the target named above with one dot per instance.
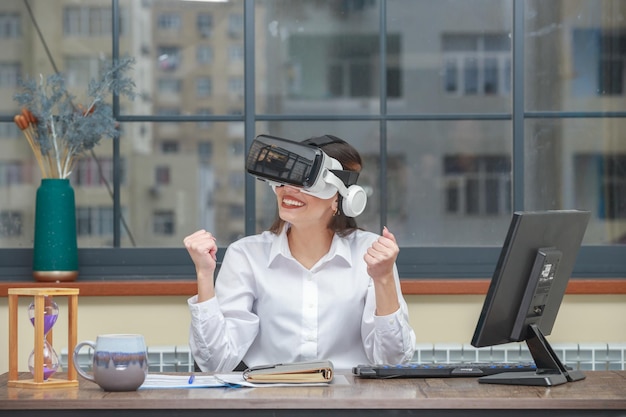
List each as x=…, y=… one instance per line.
x=409, y=287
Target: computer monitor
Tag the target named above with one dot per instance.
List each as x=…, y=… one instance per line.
x=526, y=290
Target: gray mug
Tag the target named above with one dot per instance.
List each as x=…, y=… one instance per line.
x=120, y=361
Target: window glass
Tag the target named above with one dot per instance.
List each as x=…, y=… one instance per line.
x=318, y=57
x=426, y=96
x=567, y=166
x=449, y=182
x=197, y=44
x=452, y=56
x=177, y=187
x=577, y=65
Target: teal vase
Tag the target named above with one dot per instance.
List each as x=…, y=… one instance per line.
x=55, y=252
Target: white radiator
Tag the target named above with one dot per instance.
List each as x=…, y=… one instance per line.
x=582, y=356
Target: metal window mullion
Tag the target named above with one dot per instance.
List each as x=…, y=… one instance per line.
x=382, y=39
x=249, y=112
x=517, y=69
x=115, y=51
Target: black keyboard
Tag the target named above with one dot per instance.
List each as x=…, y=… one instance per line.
x=440, y=370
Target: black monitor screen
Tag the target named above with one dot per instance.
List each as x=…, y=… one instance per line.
x=526, y=290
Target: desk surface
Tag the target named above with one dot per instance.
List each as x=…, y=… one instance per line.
x=601, y=393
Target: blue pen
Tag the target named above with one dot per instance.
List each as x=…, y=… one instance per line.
x=191, y=378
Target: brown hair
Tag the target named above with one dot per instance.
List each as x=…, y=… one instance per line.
x=350, y=160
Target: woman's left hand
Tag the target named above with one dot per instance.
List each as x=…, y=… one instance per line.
x=381, y=257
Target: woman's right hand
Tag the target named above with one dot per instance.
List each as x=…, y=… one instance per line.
x=202, y=248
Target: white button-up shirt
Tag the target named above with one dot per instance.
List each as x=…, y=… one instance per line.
x=268, y=308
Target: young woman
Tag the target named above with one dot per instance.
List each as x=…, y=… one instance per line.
x=314, y=286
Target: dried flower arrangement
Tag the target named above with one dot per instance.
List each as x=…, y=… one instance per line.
x=58, y=131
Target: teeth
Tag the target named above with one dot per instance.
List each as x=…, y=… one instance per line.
x=292, y=202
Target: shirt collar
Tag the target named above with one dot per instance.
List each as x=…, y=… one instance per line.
x=340, y=247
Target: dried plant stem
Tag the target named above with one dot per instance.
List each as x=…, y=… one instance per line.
x=29, y=133
x=56, y=147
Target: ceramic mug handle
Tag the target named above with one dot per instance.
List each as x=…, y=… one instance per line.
x=80, y=371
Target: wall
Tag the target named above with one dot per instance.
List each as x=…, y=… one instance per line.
x=436, y=319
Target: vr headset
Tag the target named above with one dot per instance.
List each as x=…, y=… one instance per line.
x=279, y=161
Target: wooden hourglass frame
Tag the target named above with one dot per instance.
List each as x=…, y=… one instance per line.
x=39, y=295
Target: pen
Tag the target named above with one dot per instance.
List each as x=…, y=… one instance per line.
x=191, y=378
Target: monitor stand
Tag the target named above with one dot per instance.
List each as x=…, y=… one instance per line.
x=550, y=369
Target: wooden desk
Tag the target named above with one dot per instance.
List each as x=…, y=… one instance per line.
x=601, y=393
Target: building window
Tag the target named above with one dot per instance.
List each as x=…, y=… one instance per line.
x=600, y=62
x=169, y=58
x=170, y=146
x=90, y=172
x=94, y=221
x=477, y=184
x=204, y=23
x=87, y=21
x=477, y=64
x=604, y=178
x=11, y=173
x=350, y=66
x=10, y=73
x=80, y=70
x=162, y=175
x=235, y=54
x=169, y=86
x=205, y=150
x=204, y=87
x=169, y=21
x=235, y=25
x=10, y=223
x=10, y=25
x=163, y=222
x=204, y=54
x=236, y=87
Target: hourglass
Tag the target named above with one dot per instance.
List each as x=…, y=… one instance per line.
x=50, y=358
x=43, y=361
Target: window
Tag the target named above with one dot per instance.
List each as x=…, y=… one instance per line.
x=162, y=175
x=204, y=22
x=476, y=64
x=235, y=25
x=204, y=86
x=163, y=222
x=11, y=173
x=10, y=25
x=170, y=146
x=609, y=172
x=477, y=184
x=10, y=223
x=600, y=61
x=80, y=70
x=235, y=87
x=204, y=54
x=87, y=21
x=10, y=72
x=235, y=53
x=167, y=86
x=90, y=172
x=94, y=221
x=428, y=94
x=169, y=58
x=169, y=21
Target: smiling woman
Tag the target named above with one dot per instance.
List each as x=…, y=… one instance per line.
x=313, y=287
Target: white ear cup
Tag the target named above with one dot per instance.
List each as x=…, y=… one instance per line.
x=354, y=201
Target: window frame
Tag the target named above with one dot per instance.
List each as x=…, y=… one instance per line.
x=117, y=263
